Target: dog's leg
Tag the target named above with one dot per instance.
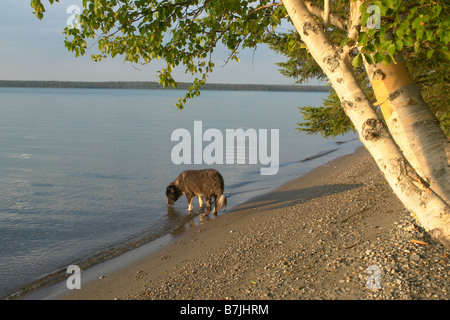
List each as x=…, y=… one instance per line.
x=208, y=205
x=215, y=205
x=190, y=199
x=200, y=201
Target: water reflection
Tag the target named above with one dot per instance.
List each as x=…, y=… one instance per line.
x=184, y=220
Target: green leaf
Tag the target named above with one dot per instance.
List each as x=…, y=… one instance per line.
x=357, y=60
x=419, y=34
x=368, y=58
x=416, y=46
x=436, y=12
x=363, y=39
x=370, y=47
x=276, y=19
x=429, y=35
x=379, y=57
x=444, y=36
x=364, y=14
x=385, y=44
x=388, y=3
x=416, y=23
x=407, y=41
x=391, y=50
x=346, y=41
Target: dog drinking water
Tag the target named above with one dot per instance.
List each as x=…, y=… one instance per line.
x=206, y=183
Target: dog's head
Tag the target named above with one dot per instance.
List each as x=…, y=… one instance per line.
x=173, y=193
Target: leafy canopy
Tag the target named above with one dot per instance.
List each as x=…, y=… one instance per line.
x=421, y=33
x=180, y=32
x=184, y=33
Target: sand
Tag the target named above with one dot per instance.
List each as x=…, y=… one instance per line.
x=336, y=233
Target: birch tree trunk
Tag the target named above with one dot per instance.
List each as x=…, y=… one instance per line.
x=429, y=209
x=412, y=124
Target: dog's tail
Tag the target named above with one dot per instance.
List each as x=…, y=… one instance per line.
x=221, y=202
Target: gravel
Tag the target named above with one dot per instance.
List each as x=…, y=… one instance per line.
x=337, y=233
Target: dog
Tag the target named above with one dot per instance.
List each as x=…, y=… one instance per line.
x=207, y=183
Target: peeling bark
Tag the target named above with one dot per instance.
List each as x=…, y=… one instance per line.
x=371, y=129
x=412, y=124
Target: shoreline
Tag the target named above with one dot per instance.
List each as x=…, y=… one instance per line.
x=154, y=85
x=314, y=237
x=53, y=285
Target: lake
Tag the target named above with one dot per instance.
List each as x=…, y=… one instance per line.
x=83, y=172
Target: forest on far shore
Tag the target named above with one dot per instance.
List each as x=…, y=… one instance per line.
x=155, y=85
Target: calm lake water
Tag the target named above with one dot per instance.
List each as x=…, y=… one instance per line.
x=84, y=171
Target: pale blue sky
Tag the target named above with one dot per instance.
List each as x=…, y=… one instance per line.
x=34, y=50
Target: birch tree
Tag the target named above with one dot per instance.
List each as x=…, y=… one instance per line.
x=397, y=128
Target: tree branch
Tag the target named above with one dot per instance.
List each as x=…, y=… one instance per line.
x=326, y=12
x=326, y=15
x=355, y=19
x=334, y=19
x=277, y=4
x=354, y=24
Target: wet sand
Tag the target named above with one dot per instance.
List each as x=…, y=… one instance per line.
x=336, y=233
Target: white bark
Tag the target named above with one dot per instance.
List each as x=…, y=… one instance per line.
x=412, y=125
x=326, y=12
x=430, y=210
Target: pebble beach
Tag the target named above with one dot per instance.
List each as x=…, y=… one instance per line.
x=335, y=233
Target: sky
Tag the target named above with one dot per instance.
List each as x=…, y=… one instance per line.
x=33, y=49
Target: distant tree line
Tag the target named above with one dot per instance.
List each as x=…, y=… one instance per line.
x=155, y=85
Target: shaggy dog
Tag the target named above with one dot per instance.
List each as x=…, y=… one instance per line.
x=207, y=183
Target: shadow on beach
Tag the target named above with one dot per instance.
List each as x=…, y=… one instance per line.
x=279, y=199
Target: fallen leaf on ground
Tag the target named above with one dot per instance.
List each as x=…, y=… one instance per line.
x=419, y=242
